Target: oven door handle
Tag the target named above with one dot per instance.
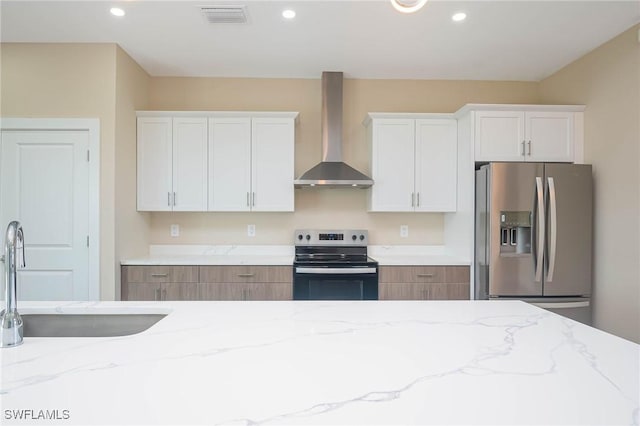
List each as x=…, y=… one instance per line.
x=335, y=271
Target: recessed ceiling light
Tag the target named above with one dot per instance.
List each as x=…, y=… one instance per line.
x=288, y=14
x=460, y=16
x=116, y=11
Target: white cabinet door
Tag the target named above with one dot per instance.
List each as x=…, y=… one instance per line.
x=392, y=165
x=436, y=165
x=229, y=164
x=189, y=164
x=499, y=135
x=272, y=161
x=549, y=136
x=154, y=163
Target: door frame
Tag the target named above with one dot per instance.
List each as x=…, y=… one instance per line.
x=92, y=126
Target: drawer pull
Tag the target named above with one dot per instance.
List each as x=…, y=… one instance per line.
x=159, y=275
x=246, y=275
x=425, y=275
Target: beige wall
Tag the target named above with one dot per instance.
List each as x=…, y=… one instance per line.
x=318, y=208
x=132, y=229
x=607, y=81
x=70, y=80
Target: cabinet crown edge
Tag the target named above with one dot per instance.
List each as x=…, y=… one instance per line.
x=407, y=115
x=214, y=114
x=517, y=107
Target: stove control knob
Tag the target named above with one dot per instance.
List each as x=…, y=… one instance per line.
x=308, y=237
x=300, y=237
x=353, y=237
x=361, y=237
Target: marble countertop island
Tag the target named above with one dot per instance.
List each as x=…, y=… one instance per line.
x=326, y=363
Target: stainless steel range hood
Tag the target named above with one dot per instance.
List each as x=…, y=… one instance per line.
x=332, y=172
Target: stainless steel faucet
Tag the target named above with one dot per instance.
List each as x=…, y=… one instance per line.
x=10, y=321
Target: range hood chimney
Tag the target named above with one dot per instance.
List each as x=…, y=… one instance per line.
x=332, y=172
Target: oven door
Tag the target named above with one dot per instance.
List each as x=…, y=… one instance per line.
x=335, y=283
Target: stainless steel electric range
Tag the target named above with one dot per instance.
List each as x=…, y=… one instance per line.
x=333, y=265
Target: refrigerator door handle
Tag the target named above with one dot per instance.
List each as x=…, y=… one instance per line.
x=538, y=229
x=553, y=231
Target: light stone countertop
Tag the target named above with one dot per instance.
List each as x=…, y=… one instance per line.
x=284, y=255
x=329, y=363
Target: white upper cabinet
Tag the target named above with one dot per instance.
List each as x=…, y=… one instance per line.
x=189, y=164
x=251, y=163
x=272, y=164
x=155, y=158
x=229, y=164
x=215, y=161
x=413, y=163
x=538, y=135
x=172, y=167
x=436, y=165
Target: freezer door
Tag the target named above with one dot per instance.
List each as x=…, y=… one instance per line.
x=578, y=309
x=512, y=189
x=569, y=217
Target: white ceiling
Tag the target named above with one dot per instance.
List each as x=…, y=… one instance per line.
x=500, y=40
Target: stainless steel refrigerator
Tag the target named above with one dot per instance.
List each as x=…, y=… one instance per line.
x=533, y=237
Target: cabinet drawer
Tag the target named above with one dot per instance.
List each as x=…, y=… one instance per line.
x=246, y=274
x=160, y=274
x=245, y=291
x=423, y=291
x=424, y=274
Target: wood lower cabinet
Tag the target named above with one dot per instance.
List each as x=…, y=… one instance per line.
x=246, y=283
x=245, y=291
x=160, y=282
x=207, y=283
x=423, y=283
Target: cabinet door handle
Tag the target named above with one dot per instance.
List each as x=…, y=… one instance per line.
x=425, y=275
x=413, y=199
x=247, y=199
x=418, y=202
x=169, y=199
x=253, y=199
x=159, y=275
x=522, y=148
x=246, y=275
x=529, y=148
x=174, y=198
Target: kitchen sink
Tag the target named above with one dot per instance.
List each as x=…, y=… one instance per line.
x=87, y=325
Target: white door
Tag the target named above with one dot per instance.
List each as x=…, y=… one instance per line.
x=155, y=164
x=272, y=158
x=499, y=136
x=549, y=136
x=229, y=164
x=436, y=165
x=189, y=164
x=44, y=184
x=392, y=166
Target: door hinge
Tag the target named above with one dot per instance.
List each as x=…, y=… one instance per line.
x=88, y=156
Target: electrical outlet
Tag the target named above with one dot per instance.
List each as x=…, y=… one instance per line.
x=175, y=230
x=404, y=231
x=251, y=230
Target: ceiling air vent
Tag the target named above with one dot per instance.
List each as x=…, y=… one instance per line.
x=225, y=14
